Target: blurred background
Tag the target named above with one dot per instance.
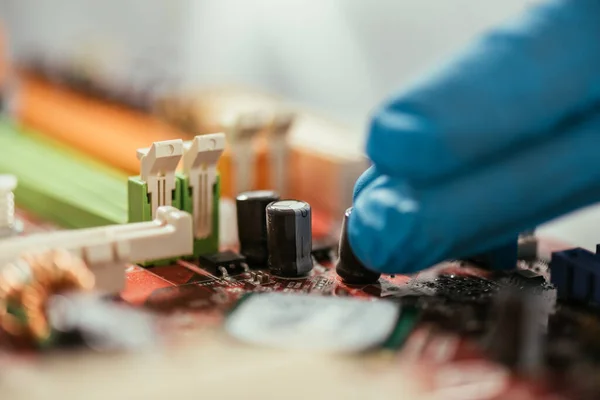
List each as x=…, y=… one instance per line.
x=337, y=58
x=340, y=57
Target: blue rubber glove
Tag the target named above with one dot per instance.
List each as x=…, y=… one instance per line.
x=505, y=137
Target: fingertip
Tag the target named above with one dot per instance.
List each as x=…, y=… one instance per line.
x=364, y=180
x=381, y=227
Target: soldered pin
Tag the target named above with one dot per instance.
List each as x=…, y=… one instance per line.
x=224, y=272
x=200, y=165
x=241, y=132
x=158, y=165
x=279, y=150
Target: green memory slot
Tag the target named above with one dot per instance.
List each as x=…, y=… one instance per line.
x=60, y=184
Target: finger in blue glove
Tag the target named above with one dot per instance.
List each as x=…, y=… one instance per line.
x=501, y=140
x=513, y=85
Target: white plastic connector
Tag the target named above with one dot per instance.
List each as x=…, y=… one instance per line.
x=8, y=183
x=106, y=250
x=200, y=165
x=158, y=165
x=279, y=150
x=241, y=131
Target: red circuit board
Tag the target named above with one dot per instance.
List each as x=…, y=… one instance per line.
x=446, y=365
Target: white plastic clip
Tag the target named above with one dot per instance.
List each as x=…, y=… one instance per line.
x=106, y=250
x=279, y=150
x=158, y=165
x=241, y=132
x=200, y=165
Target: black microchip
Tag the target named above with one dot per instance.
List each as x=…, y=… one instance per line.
x=529, y=277
x=322, y=250
x=229, y=261
x=522, y=278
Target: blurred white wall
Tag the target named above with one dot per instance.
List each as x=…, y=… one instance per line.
x=338, y=57
x=128, y=42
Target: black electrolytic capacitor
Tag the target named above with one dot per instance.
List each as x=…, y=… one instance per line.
x=252, y=225
x=289, y=238
x=348, y=267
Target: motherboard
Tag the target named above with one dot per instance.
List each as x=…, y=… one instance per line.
x=161, y=284
x=460, y=330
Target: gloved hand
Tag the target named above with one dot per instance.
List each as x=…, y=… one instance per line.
x=505, y=137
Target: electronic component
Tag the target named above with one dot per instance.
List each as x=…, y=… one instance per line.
x=60, y=184
x=200, y=186
x=455, y=308
x=528, y=246
x=348, y=267
x=526, y=278
x=195, y=190
x=106, y=250
x=241, y=132
x=252, y=225
x=289, y=238
x=295, y=321
x=323, y=250
x=515, y=336
x=259, y=278
x=322, y=170
x=26, y=285
x=224, y=263
x=279, y=150
x=156, y=186
x=576, y=275
x=8, y=223
x=499, y=258
x=200, y=168
x=89, y=125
